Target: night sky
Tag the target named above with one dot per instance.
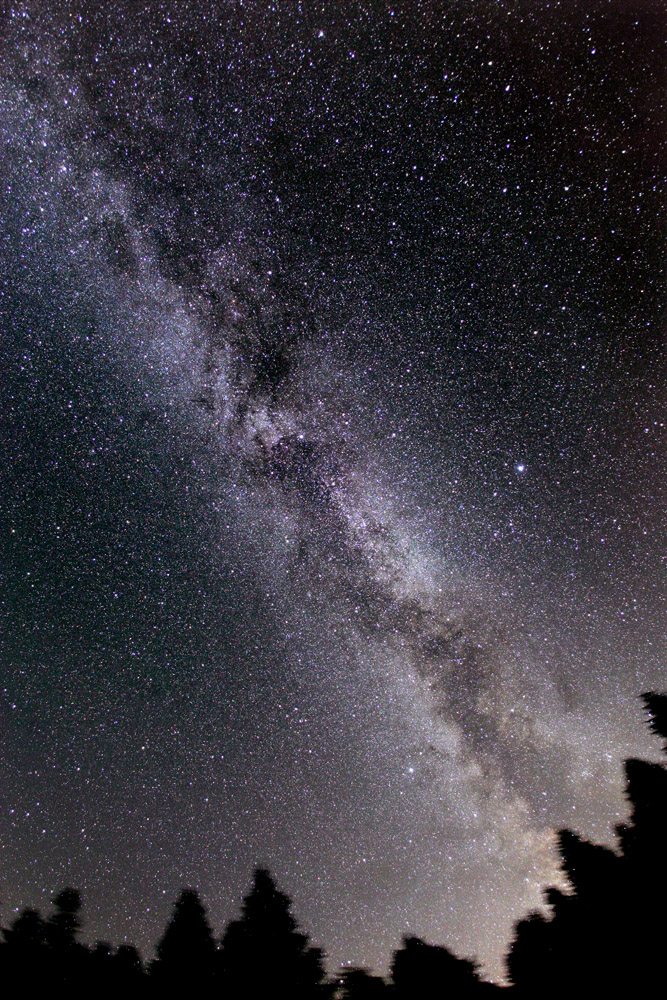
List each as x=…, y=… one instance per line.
x=332, y=485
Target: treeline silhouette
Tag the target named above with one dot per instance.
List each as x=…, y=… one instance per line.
x=602, y=938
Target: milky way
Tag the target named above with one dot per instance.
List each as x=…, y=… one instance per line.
x=333, y=499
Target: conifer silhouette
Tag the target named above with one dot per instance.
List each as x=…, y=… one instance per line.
x=67, y=960
x=264, y=954
x=64, y=923
x=656, y=705
x=606, y=936
x=355, y=983
x=22, y=953
x=531, y=958
x=432, y=972
x=128, y=968
x=602, y=937
x=186, y=949
x=116, y=970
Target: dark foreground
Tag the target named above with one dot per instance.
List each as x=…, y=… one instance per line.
x=605, y=938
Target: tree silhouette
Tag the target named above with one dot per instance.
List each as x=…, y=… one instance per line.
x=602, y=937
x=644, y=844
x=607, y=935
x=430, y=971
x=264, y=954
x=656, y=705
x=128, y=970
x=356, y=983
x=185, y=951
x=116, y=970
x=67, y=959
x=23, y=952
x=64, y=923
x=531, y=957
x=100, y=965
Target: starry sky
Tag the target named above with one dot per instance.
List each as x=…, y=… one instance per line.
x=332, y=488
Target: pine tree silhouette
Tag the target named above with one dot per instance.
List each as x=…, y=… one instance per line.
x=115, y=970
x=264, y=954
x=604, y=937
x=356, y=983
x=64, y=923
x=644, y=844
x=67, y=959
x=531, y=962
x=23, y=953
x=186, y=950
x=128, y=971
x=607, y=935
x=430, y=971
x=100, y=965
x=656, y=705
